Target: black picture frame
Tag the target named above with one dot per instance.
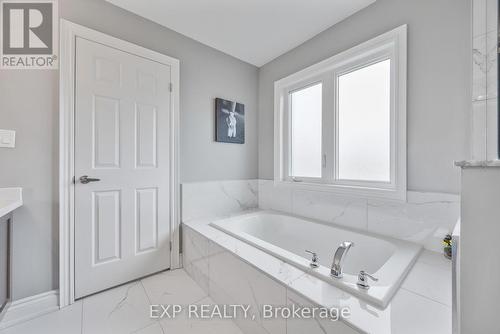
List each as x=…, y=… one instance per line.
x=229, y=121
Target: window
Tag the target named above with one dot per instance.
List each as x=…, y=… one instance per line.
x=305, y=114
x=364, y=124
x=340, y=125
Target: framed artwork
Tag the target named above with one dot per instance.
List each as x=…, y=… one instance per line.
x=229, y=121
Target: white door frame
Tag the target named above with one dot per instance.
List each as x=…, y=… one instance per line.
x=69, y=32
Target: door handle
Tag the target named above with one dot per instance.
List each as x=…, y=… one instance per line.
x=85, y=179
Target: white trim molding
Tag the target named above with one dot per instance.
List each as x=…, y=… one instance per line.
x=68, y=34
x=391, y=45
x=29, y=308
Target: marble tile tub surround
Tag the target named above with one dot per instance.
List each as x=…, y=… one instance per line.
x=231, y=270
x=425, y=218
x=217, y=198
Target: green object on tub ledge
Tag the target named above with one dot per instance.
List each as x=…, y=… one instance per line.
x=447, y=241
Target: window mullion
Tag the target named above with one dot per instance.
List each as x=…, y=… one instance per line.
x=335, y=127
x=324, y=132
x=287, y=137
x=328, y=126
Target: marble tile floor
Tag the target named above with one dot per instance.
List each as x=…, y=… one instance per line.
x=125, y=310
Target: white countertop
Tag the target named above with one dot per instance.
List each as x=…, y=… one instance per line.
x=422, y=304
x=477, y=163
x=10, y=199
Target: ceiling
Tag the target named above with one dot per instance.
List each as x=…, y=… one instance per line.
x=255, y=31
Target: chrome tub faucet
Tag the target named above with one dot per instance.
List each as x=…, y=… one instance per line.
x=338, y=259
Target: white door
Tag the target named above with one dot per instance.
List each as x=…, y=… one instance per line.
x=122, y=138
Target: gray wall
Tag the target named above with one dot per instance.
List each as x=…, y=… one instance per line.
x=479, y=250
x=439, y=59
x=29, y=105
x=438, y=100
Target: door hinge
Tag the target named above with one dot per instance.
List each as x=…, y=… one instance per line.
x=170, y=245
x=324, y=160
x=170, y=87
x=73, y=179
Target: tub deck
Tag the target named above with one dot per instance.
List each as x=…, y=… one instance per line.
x=288, y=237
x=421, y=305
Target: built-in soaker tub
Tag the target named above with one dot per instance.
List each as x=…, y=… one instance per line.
x=288, y=237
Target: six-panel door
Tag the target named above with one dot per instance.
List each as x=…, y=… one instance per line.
x=122, y=141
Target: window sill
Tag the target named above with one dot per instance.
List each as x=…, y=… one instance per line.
x=396, y=195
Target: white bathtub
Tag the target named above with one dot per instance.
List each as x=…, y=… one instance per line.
x=287, y=237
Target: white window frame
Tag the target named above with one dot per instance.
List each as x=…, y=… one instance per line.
x=391, y=45
x=287, y=119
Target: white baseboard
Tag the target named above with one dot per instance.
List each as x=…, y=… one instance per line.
x=31, y=307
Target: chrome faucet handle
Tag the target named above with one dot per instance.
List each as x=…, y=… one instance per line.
x=363, y=280
x=314, y=260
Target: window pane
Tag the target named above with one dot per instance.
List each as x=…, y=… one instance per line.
x=364, y=123
x=306, y=109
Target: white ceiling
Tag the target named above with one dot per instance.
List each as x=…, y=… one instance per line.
x=255, y=31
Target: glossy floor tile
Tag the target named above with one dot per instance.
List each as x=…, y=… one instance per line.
x=120, y=310
x=183, y=324
x=125, y=310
